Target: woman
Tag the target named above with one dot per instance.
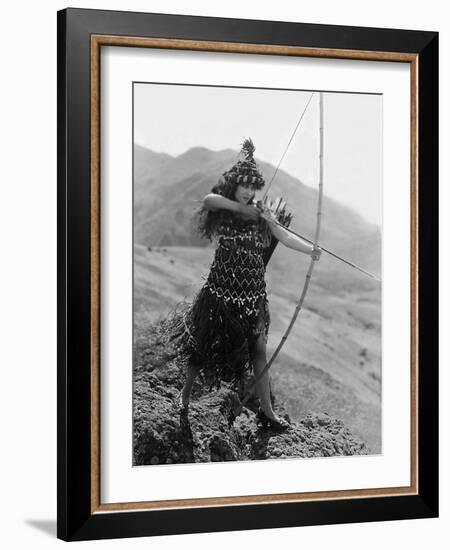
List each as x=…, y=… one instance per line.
x=224, y=331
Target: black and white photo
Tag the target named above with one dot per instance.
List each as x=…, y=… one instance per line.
x=257, y=230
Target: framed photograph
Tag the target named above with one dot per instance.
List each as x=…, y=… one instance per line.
x=247, y=274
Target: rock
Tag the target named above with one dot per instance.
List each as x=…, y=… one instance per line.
x=323, y=419
x=163, y=436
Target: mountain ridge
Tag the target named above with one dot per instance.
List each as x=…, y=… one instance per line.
x=169, y=189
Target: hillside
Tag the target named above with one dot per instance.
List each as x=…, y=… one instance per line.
x=331, y=360
x=167, y=191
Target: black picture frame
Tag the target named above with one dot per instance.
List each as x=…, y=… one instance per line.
x=76, y=518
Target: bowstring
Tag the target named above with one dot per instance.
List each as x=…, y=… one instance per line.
x=289, y=143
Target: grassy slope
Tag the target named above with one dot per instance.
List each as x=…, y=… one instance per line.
x=331, y=361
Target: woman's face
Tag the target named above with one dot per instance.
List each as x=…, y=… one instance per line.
x=244, y=194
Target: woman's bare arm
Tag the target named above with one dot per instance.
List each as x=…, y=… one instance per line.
x=288, y=239
x=213, y=201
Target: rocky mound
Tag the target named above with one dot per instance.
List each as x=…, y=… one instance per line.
x=163, y=436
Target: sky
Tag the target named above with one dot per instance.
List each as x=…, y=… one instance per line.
x=174, y=118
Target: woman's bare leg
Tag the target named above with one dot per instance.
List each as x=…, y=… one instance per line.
x=262, y=386
x=191, y=375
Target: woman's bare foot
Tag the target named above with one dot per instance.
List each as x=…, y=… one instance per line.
x=271, y=420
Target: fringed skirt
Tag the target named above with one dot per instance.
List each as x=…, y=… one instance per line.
x=217, y=337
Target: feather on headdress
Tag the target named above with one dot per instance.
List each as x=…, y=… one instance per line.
x=248, y=149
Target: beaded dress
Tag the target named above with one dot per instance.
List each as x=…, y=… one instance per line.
x=219, y=329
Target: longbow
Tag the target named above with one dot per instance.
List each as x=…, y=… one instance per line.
x=310, y=268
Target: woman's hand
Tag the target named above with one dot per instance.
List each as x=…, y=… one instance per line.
x=315, y=253
x=269, y=216
x=248, y=211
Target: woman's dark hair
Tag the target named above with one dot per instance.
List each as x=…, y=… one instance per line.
x=209, y=220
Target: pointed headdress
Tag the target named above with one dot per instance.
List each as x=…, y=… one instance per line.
x=245, y=171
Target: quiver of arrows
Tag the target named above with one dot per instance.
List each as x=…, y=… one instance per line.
x=277, y=207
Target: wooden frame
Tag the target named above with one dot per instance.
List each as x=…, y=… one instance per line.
x=81, y=34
